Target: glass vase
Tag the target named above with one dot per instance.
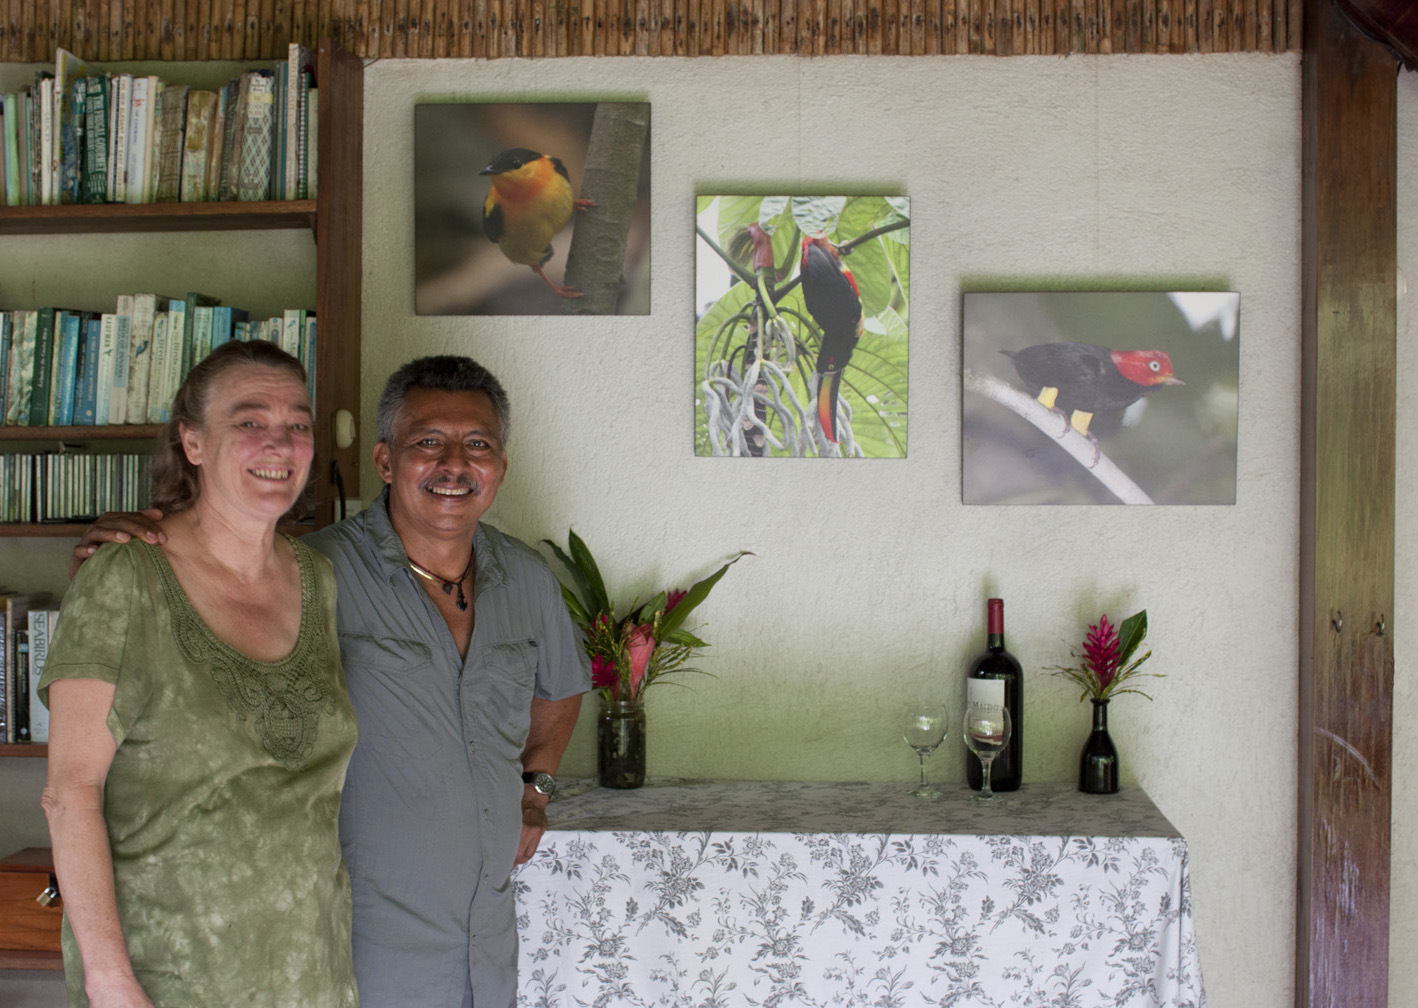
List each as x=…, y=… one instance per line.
x=620, y=737
x=1098, y=766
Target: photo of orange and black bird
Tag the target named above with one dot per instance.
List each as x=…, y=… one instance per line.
x=528, y=202
x=833, y=301
x=1081, y=379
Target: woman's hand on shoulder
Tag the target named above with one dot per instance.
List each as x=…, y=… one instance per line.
x=117, y=526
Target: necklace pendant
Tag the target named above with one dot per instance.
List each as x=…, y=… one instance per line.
x=448, y=589
x=462, y=601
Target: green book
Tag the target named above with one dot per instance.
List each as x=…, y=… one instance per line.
x=96, y=145
x=43, y=366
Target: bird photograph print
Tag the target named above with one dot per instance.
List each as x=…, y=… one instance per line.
x=801, y=339
x=532, y=208
x=1100, y=398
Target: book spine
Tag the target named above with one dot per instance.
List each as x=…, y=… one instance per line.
x=6, y=323
x=41, y=632
x=96, y=141
x=43, y=367
x=140, y=357
x=254, y=180
x=86, y=368
x=171, y=140
x=71, y=142
x=121, y=99
x=139, y=120
x=118, y=394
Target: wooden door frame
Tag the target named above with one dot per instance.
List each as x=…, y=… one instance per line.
x=1349, y=391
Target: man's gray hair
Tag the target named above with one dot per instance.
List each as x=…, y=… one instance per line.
x=445, y=373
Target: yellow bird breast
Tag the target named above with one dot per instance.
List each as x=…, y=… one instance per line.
x=525, y=208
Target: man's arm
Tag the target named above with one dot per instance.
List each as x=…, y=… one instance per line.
x=117, y=526
x=552, y=724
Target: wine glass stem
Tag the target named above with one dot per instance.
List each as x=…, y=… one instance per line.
x=985, y=777
x=922, y=757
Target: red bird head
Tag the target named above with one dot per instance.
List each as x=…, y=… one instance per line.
x=1145, y=367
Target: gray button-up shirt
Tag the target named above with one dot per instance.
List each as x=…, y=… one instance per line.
x=431, y=813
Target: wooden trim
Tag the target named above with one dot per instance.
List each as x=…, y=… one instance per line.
x=111, y=30
x=1349, y=145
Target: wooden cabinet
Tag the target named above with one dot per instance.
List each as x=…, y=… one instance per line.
x=334, y=217
x=29, y=931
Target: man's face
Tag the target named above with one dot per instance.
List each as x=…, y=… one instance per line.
x=443, y=463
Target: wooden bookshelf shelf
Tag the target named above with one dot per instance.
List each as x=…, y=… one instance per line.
x=32, y=749
x=128, y=218
x=103, y=432
x=31, y=960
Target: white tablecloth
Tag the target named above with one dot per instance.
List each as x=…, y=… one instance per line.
x=714, y=894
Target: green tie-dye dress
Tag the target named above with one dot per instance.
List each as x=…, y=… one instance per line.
x=223, y=797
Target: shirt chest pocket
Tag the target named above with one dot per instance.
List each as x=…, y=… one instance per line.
x=398, y=694
x=503, y=686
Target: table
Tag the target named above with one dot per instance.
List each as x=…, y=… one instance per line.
x=721, y=893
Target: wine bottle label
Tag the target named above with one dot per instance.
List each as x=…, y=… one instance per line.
x=986, y=691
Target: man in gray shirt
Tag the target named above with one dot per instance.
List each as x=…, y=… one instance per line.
x=466, y=673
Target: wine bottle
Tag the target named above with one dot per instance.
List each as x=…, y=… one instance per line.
x=995, y=677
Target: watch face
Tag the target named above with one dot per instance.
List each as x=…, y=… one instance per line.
x=542, y=783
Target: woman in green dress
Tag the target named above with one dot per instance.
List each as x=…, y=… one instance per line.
x=199, y=725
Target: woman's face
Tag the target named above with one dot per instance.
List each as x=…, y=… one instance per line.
x=254, y=447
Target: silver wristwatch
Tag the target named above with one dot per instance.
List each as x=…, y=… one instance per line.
x=542, y=782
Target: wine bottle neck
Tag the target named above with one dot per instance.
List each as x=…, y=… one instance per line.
x=995, y=642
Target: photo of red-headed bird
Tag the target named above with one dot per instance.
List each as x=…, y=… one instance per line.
x=1081, y=379
x=529, y=200
x=832, y=299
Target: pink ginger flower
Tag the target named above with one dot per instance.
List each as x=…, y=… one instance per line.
x=639, y=648
x=673, y=598
x=1100, y=652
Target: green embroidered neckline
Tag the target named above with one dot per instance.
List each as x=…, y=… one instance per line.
x=285, y=699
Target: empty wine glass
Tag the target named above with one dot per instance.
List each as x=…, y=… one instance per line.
x=986, y=732
x=923, y=726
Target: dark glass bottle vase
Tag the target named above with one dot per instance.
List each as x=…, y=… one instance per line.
x=620, y=736
x=1098, y=766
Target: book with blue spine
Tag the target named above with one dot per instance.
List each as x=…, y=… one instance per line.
x=87, y=367
x=69, y=326
x=224, y=320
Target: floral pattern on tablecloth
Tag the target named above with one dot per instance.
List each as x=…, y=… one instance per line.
x=851, y=894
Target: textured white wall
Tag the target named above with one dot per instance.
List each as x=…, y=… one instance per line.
x=870, y=576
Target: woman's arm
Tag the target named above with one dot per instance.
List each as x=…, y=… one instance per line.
x=80, y=752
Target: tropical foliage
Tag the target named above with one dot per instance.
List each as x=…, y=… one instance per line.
x=756, y=344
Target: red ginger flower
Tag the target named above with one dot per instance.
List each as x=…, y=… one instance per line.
x=673, y=598
x=603, y=675
x=1100, y=652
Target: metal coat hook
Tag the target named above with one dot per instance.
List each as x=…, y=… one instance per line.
x=1337, y=621
x=1379, y=626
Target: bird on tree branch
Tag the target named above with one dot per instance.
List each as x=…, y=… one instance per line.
x=1080, y=379
x=528, y=202
x=833, y=301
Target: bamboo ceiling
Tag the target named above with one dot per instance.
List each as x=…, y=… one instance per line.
x=259, y=29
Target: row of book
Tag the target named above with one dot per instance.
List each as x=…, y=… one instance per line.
x=72, y=486
x=81, y=135
x=64, y=367
x=27, y=622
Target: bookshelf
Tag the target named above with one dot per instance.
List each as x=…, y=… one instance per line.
x=333, y=218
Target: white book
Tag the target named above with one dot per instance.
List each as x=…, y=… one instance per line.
x=42, y=622
x=118, y=391
x=103, y=382
x=299, y=62
x=120, y=101
x=292, y=331
x=140, y=354
x=157, y=371
x=176, y=355
x=140, y=119
x=48, y=181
